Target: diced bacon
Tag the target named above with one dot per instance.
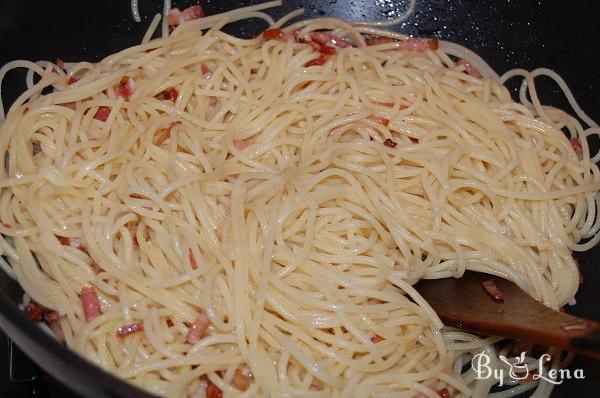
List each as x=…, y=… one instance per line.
x=379, y=119
x=164, y=135
x=70, y=105
x=34, y=311
x=417, y=44
x=174, y=17
x=50, y=315
x=275, y=34
x=177, y=17
x=317, y=61
x=191, y=13
x=241, y=144
x=315, y=46
x=71, y=80
x=198, y=328
x=389, y=143
x=206, y=71
x=305, y=39
x=102, y=113
x=127, y=330
x=212, y=391
x=323, y=42
x=239, y=380
x=490, y=287
x=374, y=41
x=60, y=63
x=377, y=339
x=126, y=88
x=469, y=69
x=170, y=94
x=38, y=313
x=325, y=38
x=192, y=259
x=91, y=304
x=327, y=50
x=576, y=144
x=444, y=393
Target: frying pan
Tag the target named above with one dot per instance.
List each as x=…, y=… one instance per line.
x=561, y=35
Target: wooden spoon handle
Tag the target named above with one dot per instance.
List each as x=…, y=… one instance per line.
x=463, y=303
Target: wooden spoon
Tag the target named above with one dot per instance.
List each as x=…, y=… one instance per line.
x=465, y=304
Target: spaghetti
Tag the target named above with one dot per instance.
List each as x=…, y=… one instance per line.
x=202, y=214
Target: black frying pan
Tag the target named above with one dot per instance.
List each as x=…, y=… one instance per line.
x=562, y=35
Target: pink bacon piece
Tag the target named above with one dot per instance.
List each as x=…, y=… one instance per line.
x=275, y=34
x=127, y=330
x=418, y=44
x=168, y=94
x=377, y=40
x=444, y=393
x=38, y=313
x=177, y=17
x=492, y=290
x=35, y=311
x=325, y=38
x=206, y=71
x=212, y=391
x=576, y=144
x=126, y=88
x=164, y=134
x=389, y=143
x=241, y=144
x=198, y=328
x=239, y=380
x=317, y=61
x=376, y=339
x=102, y=113
x=91, y=304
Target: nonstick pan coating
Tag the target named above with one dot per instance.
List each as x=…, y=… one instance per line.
x=561, y=35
